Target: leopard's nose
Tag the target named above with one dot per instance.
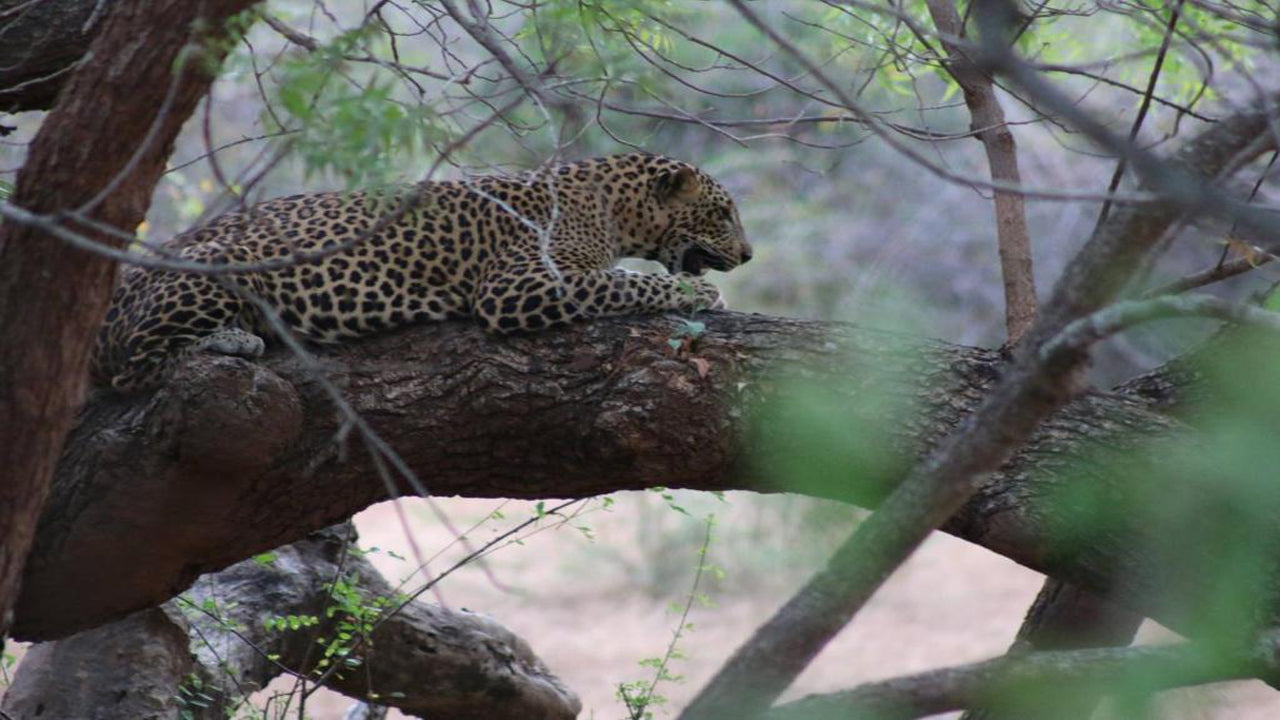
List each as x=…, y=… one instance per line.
x=746, y=255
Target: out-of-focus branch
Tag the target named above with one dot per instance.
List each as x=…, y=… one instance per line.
x=1182, y=188
x=1086, y=331
x=425, y=660
x=1002, y=157
x=1209, y=276
x=1011, y=680
x=1063, y=617
x=1255, y=257
x=1147, y=97
x=483, y=33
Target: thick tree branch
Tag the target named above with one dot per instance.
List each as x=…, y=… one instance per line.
x=154, y=490
x=132, y=667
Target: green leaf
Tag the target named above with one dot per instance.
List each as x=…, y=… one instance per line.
x=693, y=328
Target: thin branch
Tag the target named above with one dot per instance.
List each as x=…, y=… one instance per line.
x=1147, y=97
x=1209, y=276
x=1069, y=70
x=1189, y=193
x=1121, y=316
x=227, y=145
x=880, y=128
x=1223, y=270
x=52, y=225
x=660, y=672
x=483, y=33
x=311, y=44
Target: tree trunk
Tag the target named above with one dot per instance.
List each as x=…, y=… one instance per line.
x=101, y=151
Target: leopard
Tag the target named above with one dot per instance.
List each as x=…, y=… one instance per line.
x=519, y=252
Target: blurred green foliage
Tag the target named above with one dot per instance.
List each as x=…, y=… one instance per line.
x=1199, y=508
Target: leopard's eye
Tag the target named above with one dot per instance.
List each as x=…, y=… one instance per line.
x=726, y=213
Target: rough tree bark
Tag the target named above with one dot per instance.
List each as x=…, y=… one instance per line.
x=155, y=489
x=425, y=660
x=126, y=669
x=106, y=142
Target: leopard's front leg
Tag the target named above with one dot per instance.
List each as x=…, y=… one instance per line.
x=530, y=298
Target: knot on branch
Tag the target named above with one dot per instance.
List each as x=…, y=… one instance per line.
x=220, y=398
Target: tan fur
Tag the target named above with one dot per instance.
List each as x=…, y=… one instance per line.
x=463, y=249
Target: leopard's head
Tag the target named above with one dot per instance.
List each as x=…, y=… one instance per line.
x=703, y=229
x=687, y=221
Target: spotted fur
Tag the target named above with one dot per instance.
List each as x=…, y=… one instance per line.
x=468, y=248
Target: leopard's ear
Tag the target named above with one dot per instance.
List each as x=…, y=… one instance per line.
x=679, y=185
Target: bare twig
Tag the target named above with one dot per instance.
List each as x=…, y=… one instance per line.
x=878, y=127
x=1179, y=186
x=52, y=225
x=1209, y=276
x=1147, y=96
